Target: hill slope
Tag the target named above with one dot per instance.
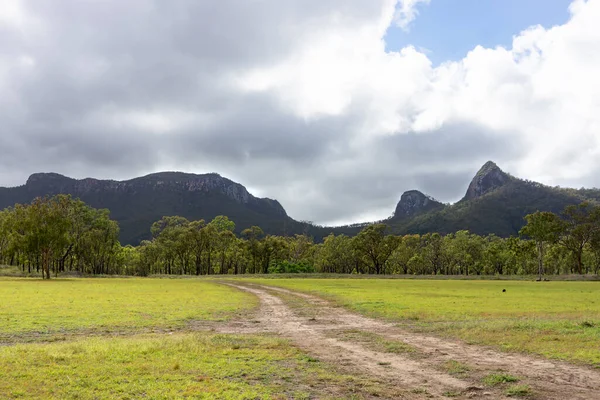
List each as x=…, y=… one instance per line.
x=139, y=202
x=495, y=202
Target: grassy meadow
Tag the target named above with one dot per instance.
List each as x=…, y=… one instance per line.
x=183, y=365
x=63, y=305
x=558, y=320
x=95, y=339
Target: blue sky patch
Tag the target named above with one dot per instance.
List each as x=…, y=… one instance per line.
x=448, y=29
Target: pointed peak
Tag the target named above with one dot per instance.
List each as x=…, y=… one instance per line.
x=489, y=167
x=489, y=178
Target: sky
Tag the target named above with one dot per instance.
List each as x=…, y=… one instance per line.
x=332, y=107
x=448, y=29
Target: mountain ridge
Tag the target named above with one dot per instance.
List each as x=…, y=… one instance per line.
x=495, y=202
x=194, y=182
x=136, y=203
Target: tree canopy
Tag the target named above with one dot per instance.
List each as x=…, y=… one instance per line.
x=60, y=234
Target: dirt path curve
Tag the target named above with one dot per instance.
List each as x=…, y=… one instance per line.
x=317, y=335
x=276, y=316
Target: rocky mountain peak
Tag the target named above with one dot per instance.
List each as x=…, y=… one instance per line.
x=414, y=202
x=489, y=178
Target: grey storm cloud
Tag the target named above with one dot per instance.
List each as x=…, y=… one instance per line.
x=255, y=128
x=116, y=89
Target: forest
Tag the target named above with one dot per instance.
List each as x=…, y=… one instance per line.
x=59, y=234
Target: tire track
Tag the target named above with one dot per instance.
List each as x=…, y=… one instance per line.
x=314, y=336
x=550, y=379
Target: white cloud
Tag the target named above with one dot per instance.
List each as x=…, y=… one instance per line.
x=12, y=13
x=407, y=12
x=544, y=91
x=298, y=99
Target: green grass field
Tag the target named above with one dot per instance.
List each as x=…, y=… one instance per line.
x=93, y=339
x=198, y=366
x=135, y=338
x=63, y=305
x=555, y=319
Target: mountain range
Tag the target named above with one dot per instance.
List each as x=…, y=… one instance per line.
x=495, y=202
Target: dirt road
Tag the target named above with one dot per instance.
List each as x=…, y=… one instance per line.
x=426, y=366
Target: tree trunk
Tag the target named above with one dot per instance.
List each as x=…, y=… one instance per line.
x=198, y=265
x=540, y=261
x=45, y=264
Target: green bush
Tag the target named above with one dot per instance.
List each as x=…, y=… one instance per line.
x=286, y=267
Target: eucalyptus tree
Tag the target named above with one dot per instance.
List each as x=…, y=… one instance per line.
x=408, y=247
x=432, y=250
x=6, y=236
x=301, y=249
x=336, y=254
x=46, y=228
x=253, y=236
x=376, y=245
x=495, y=255
x=198, y=241
x=99, y=246
x=543, y=228
x=582, y=225
x=221, y=230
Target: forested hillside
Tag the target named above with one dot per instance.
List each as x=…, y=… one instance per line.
x=494, y=203
x=138, y=203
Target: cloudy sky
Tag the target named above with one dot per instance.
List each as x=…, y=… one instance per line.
x=333, y=107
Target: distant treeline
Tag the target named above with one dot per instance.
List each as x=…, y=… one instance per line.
x=61, y=234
